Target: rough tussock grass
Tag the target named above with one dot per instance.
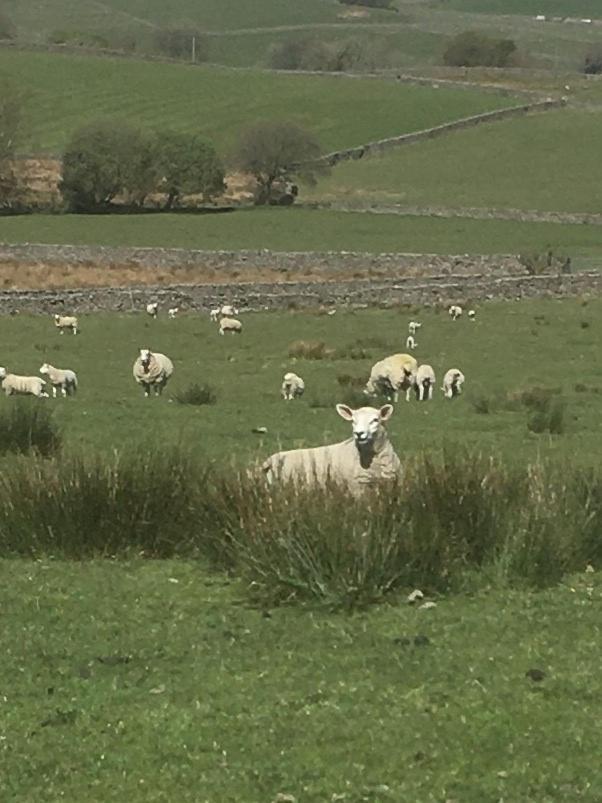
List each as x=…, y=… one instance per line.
x=27, y=425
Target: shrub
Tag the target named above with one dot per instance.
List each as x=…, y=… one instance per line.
x=178, y=43
x=474, y=49
x=196, y=394
x=585, y=324
x=27, y=425
x=592, y=64
x=187, y=164
x=548, y=418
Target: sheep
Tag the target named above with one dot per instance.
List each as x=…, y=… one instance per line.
x=411, y=343
x=413, y=326
x=12, y=384
x=230, y=325
x=228, y=311
x=62, y=378
x=214, y=314
x=172, y=312
x=472, y=314
x=63, y=322
x=452, y=383
x=152, y=309
x=391, y=375
x=292, y=387
x=360, y=462
x=152, y=369
x=454, y=312
x=424, y=382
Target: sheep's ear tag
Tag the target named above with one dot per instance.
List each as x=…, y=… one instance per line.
x=345, y=412
x=386, y=411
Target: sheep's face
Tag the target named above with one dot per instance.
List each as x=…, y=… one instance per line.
x=365, y=421
x=145, y=358
x=45, y=369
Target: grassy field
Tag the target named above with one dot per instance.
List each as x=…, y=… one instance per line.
x=525, y=163
x=150, y=680
x=63, y=92
x=309, y=230
x=557, y=343
x=551, y=8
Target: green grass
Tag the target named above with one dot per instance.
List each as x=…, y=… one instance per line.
x=308, y=230
x=551, y=8
x=525, y=163
x=65, y=92
x=151, y=681
x=110, y=410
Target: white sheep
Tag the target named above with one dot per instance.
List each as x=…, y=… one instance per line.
x=63, y=322
x=424, y=382
x=472, y=314
x=63, y=378
x=292, y=387
x=411, y=342
x=214, y=314
x=152, y=309
x=360, y=462
x=230, y=325
x=152, y=369
x=228, y=311
x=13, y=384
x=172, y=312
x=413, y=326
x=391, y=375
x=452, y=383
x=455, y=312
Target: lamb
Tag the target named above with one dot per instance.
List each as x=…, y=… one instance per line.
x=471, y=314
x=411, y=343
x=214, y=314
x=391, y=375
x=152, y=369
x=65, y=379
x=454, y=312
x=413, y=326
x=452, y=383
x=13, y=384
x=230, y=325
x=63, y=322
x=228, y=311
x=152, y=309
x=424, y=382
x=292, y=387
x=172, y=312
x=361, y=462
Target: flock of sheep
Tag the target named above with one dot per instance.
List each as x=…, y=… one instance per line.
x=363, y=460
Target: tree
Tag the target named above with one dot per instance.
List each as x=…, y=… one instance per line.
x=105, y=159
x=278, y=151
x=474, y=49
x=11, y=108
x=187, y=165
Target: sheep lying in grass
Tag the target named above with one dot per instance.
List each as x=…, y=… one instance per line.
x=63, y=322
x=292, y=387
x=152, y=370
x=424, y=382
x=172, y=312
x=13, y=384
x=455, y=312
x=413, y=326
x=391, y=375
x=362, y=461
x=65, y=379
x=411, y=342
x=230, y=325
x=152, y=309
x=452, y=383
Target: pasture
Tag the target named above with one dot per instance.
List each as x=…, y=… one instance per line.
x=62, y=92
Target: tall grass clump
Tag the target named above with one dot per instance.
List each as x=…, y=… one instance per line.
x=27, y=425
x=196, y=394
x=310, y=350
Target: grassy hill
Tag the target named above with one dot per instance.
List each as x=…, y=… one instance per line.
x=64, y=91
x=546, y=162
x=550, y=8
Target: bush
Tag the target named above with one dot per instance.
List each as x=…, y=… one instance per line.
x=592, y=64
x=549, y=418
x=188, y=165
x=305, y=53
x=196, y=394
x=27, y=425
x=474, y=49
x=177, y=43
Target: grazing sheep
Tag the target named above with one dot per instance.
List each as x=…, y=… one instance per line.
x=230, y=325
x=454, y=312
x=152, y=369
x=292, y=387
x=391, y=375
x=63, y=322
x=424, y=382
x=13, y=384
x=172, y=312
x=152, y=309
x=331, y=312
x=472, y=314
x=411, y=343
x=360, y=462
x=214, y=314
x=413, y=326
x=452, y=383
x=65, y=379
x=228, y=311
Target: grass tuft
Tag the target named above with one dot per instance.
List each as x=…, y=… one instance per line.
x=196, y=394
x=27, y=425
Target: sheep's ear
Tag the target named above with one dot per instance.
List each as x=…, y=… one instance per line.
x=345, y=412
x=386, y=411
